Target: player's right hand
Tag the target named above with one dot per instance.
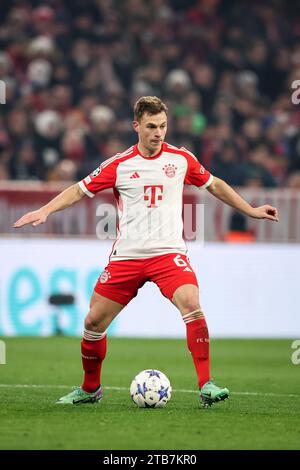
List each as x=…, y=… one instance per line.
x=35, y=218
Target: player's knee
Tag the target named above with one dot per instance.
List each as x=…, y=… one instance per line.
x=189, y=305
x=92, y=324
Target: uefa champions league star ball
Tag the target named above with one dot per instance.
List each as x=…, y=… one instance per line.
x=150, y=389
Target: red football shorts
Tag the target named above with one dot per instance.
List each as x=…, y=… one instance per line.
x=121, y=280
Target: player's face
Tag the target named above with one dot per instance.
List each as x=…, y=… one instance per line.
x=152, y=130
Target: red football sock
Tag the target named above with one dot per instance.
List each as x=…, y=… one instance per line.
x=93, y=354
x=198, y=344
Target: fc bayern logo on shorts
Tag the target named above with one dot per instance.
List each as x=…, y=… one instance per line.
x=104, y=276
x=170, y=170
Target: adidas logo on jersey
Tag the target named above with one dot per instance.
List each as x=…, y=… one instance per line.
x=135, y=175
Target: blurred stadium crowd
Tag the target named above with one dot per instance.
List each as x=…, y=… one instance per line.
x=73, y=70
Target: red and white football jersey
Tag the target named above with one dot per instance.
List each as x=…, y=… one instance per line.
x=148, y=192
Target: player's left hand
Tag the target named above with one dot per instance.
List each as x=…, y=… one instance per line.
x=265, y=212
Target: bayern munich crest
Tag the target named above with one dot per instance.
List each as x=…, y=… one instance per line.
x=104, y=276
x=170, y=170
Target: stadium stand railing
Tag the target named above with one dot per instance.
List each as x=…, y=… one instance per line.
x=80, y=220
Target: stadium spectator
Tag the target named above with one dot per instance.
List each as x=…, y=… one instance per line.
x=238, y=231
x=293, y=181
x=70, y=57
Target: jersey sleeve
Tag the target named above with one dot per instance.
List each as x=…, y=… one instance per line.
x=104, y=177
x=196, y=174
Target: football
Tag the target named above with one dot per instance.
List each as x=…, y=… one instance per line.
x=150, y=389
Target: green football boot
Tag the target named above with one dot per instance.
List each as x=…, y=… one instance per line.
x=210, y=393
x=79, y=396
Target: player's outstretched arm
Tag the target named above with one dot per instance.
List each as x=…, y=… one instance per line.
x=65, y=199
x=227, y=194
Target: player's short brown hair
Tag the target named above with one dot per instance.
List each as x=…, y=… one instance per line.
x=150, y=105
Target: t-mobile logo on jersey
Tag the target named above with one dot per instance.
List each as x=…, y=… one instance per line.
x=153, y=193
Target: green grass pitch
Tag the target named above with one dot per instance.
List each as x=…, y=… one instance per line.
x=263, y=411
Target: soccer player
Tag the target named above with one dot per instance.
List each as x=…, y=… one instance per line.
x=148, y=181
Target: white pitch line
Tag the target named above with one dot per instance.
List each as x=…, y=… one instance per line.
x=259, y=394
